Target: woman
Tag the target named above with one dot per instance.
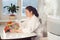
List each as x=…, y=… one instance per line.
x=32, y=23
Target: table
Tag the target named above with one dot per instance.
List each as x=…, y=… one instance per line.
x=18, y=36
x=15, y=36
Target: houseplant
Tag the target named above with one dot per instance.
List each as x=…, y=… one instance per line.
x=12, y=9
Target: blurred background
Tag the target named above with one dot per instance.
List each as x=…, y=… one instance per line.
x=49, y=13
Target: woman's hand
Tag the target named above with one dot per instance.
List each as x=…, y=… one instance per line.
x=17, y=25
x=17, y=31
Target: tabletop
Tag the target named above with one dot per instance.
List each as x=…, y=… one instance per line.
x=14, y=35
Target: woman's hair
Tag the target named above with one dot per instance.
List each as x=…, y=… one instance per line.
x=34, y=11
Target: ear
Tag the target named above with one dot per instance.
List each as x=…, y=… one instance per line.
x=31, y=12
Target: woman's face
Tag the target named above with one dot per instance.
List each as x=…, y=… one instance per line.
x=28, y=13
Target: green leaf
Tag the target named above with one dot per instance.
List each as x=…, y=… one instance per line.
x=12, y=8
x=5, y=6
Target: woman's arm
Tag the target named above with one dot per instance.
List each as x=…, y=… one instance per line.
x=16, y=28
x=31, y=26
x=16, y=31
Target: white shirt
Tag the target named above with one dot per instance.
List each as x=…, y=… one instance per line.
x=30, y=24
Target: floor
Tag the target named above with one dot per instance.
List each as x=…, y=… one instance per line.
x=44, y=38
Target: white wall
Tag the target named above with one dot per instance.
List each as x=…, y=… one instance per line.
x=0, y=8
x=53, y=25
x=58, y=9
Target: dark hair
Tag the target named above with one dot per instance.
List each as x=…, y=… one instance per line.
x=34, y=11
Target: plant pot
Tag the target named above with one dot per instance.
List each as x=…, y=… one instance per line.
x=12, y=17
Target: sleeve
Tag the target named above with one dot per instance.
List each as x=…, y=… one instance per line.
x=21, y=24
x=17, y=21
x=31, y=26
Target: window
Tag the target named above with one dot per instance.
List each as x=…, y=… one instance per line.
x=25, y=3
x=7, y=3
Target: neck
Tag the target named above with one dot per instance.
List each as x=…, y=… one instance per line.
x=30, y=16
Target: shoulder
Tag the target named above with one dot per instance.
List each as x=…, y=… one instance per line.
x=36, y=19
